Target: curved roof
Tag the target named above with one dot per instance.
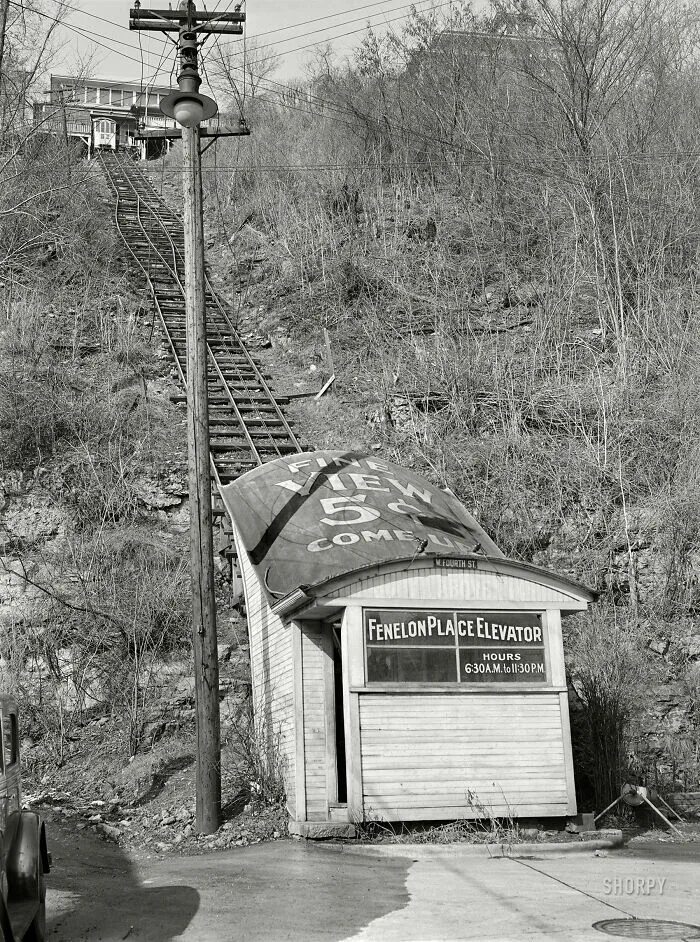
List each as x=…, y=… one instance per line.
x=307, y=518
x=574, y=596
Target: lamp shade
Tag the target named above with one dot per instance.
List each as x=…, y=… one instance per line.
x=188, y=111
x=188, y=108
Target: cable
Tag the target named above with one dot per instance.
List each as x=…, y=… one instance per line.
x=351, y=32
x=85, y=35
x=270, y=32
x=412, y=132
x=353, y=113
x=574, y=888
x=89, y=34
x=332, y=105
x=216, y=46
x=312, y=168
x=245, y=67
x=242, y=296
x=152, y=85
x=141, y=83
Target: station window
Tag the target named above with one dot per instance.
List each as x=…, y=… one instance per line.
x=90, y=96
x=438, y=647
x=411, y=665
x=9, y=737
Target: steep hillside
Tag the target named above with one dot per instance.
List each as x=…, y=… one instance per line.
x=497, y=249
x=503, y=249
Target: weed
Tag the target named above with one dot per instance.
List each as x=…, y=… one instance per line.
x=258, y=755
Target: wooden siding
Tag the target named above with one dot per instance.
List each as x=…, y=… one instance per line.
x=443, y=586
x=271, y=673
x=422, y=754
x=313, y=655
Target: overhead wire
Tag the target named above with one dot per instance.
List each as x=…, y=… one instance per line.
x=417, y=164
x=88, y=34
x=274, y=87
x=269, y=32
x=216, y=47
x=141, y=82
x=246, y=282
x=408, y=12
x=85, y=35
x=163, y=52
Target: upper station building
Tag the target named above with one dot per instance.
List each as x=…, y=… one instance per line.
x=103, y=114
x=403, y=667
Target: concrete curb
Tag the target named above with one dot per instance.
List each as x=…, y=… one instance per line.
x=614, y=839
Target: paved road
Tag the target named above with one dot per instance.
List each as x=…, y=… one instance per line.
x=295, y=891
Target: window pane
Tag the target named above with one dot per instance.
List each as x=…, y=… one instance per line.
x=406, y=665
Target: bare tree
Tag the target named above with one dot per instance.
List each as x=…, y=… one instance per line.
x=245, y=69
x=587, y=56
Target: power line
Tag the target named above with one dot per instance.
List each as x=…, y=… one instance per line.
x=141, y=59
x=85, y=35
x=339, y=109
x=336, y=25
x=89, y=34
x=352, y=32
x=269, y=32
x=398, y=164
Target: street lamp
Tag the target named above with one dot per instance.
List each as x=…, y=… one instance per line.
x=186, y=105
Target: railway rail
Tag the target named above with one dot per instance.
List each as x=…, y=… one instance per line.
x=246, y=424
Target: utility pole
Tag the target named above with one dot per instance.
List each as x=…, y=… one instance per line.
x=4, y=9
x=189, y=108
x=64, y=125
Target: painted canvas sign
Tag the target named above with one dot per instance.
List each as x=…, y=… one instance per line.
x=306, y=518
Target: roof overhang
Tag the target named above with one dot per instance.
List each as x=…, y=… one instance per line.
x=316, y=601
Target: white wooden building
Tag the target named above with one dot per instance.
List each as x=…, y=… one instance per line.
x=407, y=669
x=104, y=114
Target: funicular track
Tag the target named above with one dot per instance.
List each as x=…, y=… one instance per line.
x=247, y=425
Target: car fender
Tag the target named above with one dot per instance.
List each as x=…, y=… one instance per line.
x=6, y=933
x=25, y=843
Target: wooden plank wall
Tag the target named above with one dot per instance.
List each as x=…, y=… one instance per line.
x=313, y=653
x=272, y=673
x=422, y=754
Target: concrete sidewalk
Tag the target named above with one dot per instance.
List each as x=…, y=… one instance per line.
x=296, y=891
x=459, y=896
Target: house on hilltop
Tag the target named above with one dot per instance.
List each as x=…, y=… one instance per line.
x=104, y=114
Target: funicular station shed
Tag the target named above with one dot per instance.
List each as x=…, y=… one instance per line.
x=404, y=667
x=104, y=114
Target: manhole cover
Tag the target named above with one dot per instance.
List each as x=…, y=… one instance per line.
x=648, y=929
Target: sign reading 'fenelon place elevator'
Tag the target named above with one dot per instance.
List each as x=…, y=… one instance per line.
x=419, y=646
